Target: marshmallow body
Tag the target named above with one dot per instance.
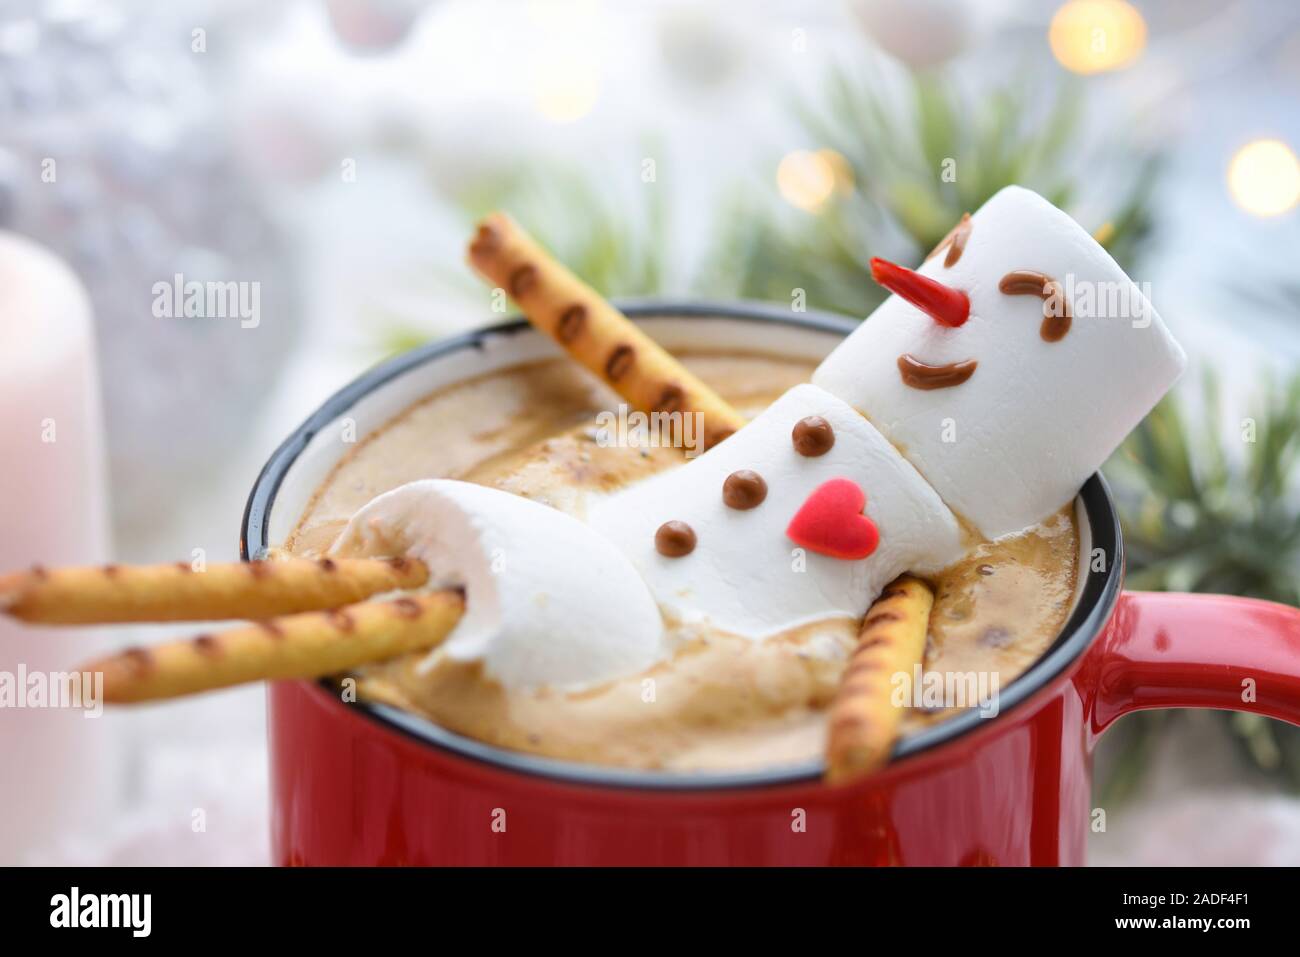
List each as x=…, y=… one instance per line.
x=745, y=575
x=548, y=602
x=1013, y=443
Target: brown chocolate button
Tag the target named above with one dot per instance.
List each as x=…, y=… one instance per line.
x=620, y=361
x=813, y=436
x=744, y=490
x=571, y=324
x=674, y=539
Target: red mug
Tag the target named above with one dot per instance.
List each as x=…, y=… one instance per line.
x=358, y=783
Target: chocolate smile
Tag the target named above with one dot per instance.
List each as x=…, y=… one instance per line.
x=920, y=375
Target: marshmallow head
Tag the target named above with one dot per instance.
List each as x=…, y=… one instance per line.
x=803, y=515
x=548, y=601
x=1007, y=412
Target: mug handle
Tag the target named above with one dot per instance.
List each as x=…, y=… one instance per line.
x=1171, y=650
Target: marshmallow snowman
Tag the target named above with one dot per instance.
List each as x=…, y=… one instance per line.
x=999, y=376
x=1004, y=372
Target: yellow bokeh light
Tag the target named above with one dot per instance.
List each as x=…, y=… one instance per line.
x=1094, y=36
x=840, y=170
x=565, y=93
x=566, y=74
x=806, y=179
x=1264, y=178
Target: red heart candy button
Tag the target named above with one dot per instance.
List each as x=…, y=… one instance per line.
x=830, y=522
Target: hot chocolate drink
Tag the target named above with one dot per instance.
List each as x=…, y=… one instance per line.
x=718, y=700
x=725, y=560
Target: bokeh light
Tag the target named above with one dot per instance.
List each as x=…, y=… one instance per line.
x=807, y=179
x=566, y=92
x=1264, y=178
x=841, y=170
x=1094, y=36
x=566, y=63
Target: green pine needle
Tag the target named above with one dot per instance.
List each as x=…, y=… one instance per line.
x=917, y=168
x=1212, y=504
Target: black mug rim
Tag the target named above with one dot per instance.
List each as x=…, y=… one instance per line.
x=1096, y=602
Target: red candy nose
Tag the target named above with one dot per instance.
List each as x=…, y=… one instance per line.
x=943, y=304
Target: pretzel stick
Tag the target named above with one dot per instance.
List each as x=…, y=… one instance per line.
x=309, y=645
x=592, y=331
x=119, y=593
x=864, y=721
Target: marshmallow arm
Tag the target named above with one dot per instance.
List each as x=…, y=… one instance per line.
x=745, y=575
x=548, y=601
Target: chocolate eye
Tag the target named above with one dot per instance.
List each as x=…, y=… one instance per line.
x=955, y=241
x=1056, y=310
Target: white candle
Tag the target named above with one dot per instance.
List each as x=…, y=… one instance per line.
x=52, y=512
